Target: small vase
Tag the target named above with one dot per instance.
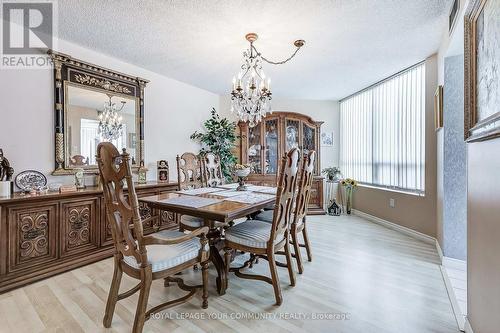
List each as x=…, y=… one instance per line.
x=348, y=192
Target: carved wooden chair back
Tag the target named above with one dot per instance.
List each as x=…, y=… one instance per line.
x=285, y=195
x=189, y=171
x=212, y=170
x=304, y=186
x=79, y=160
x=122, y=211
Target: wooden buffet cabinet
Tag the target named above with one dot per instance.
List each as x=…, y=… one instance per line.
x=263, y=145
x=44, y=235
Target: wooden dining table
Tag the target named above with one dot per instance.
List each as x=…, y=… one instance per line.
x=221, y=204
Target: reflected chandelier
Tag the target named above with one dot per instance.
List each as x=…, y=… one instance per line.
x=251, y=93
x=110, y=122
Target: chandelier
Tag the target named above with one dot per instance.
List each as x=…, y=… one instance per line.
x=251, y=93
x=110, y=122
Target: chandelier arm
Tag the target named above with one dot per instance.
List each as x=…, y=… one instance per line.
x=275, y=62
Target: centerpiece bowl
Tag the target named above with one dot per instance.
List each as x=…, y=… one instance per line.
x=242, y=172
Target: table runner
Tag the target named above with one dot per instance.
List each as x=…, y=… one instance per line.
x=191, y=201
x=201, y=190
x=251, y=197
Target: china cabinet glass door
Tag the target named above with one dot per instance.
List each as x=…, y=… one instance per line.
x=292, y=134
x=271, y=142
x=309, y=140
x=255, y=148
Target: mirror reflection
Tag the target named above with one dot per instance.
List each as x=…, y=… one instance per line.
x=93, y=117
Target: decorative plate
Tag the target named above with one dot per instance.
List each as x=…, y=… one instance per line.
x=30, y=180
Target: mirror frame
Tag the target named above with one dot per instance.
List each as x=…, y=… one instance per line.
x=71, y=71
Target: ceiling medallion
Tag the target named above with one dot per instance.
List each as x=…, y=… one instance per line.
x=251, y=93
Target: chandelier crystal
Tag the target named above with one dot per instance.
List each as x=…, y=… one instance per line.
x=110, y=121
x=251, y=92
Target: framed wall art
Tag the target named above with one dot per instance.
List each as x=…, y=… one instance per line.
x=482, y=70
x=162, y=169
x=438, y=107
x=327, y=139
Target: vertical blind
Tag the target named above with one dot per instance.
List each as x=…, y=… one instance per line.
x=382, y=139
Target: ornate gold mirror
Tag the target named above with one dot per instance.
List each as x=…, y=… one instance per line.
x=92, y=105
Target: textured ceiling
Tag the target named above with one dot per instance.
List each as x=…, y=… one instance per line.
x=349, y=43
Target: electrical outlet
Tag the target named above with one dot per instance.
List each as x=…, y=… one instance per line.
x=392, y=203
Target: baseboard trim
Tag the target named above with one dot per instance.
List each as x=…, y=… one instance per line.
x=455, y=263
x=439, y=251
x=459, y=317
x=468, y=327
x=404, y=230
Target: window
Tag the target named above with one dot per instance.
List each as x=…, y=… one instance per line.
x=382, y=137
x=90, y=138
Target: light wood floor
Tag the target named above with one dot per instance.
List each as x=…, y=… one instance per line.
x=383, y=281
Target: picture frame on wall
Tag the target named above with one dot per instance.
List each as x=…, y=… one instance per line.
x=162, y=171
x=482, y=78
x=438, y=107
x=327, y=139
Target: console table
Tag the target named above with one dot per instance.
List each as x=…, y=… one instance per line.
x=44, y=235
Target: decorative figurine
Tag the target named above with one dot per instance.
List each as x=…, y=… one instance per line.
x=142, y=174
x=79, y=178
x=162, y=171
x=6, y=171
x=334, y=209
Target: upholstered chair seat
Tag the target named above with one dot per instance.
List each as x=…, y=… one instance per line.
x=189, y=222
x=267, y=216
x=250, y=233
x=163, y=257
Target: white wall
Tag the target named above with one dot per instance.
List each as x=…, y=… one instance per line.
x=173, y=110
x=327, y=111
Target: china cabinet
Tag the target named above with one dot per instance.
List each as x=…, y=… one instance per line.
x=263, y=145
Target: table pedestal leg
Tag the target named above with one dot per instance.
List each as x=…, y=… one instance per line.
x=215, y=257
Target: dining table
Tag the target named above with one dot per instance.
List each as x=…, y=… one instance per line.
x=218, y=206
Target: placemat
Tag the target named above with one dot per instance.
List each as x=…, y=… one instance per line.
x=251, y=197
x=262, y=189
x=201, y=190
x=191, y=201
x=229, y=186
x=229, y=193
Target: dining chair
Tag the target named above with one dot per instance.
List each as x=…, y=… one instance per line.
x=298, y=225
x=146, y=258
x=262, y=239
x=212, y=170
x=190, y=175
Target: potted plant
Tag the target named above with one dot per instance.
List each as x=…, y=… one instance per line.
x=219, y=138
x=332, y=173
